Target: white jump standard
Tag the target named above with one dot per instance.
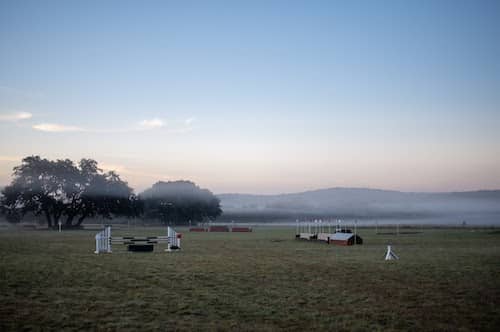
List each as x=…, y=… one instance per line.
x=390, y=255
x=104, y=241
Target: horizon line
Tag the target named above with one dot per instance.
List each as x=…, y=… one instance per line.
x=360, y=188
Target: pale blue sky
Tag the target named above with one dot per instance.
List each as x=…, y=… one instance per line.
x=257, y=96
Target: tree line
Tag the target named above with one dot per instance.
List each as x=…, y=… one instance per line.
x=65, y=192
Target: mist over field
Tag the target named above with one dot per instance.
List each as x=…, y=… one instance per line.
x=473, y=207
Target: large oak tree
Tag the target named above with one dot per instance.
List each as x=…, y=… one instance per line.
x=62, y=191
x=179, y=202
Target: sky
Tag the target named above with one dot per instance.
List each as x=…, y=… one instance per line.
x=257, y=96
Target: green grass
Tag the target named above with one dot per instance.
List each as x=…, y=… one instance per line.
x=446, y=279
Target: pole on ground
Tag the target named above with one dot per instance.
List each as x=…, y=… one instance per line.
x=59, y=223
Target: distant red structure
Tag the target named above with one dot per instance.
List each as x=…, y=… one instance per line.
x=221, y=229
x=197, y=229
x=218, y=229
x=241, y=229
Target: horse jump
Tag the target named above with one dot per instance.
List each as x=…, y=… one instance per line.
x=104, y=241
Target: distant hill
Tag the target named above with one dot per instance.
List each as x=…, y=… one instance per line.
x=364, y=203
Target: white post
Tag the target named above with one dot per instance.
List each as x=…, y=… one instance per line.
x=355, y=235
x=60, y=223
x=96, y=244
x=170, y=237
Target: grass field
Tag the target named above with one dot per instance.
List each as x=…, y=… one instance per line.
x=446, y=279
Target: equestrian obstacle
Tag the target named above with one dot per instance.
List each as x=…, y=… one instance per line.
x=198, y=229
x=104, y=241
x=221, y=229
x=319, y=230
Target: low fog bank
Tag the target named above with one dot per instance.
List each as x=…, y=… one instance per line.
x=475, y=208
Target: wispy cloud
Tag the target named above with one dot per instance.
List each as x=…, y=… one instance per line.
x=56, y=128
x=144, y=125
x=133, y=173
x=17, y=116
x=151, y=124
